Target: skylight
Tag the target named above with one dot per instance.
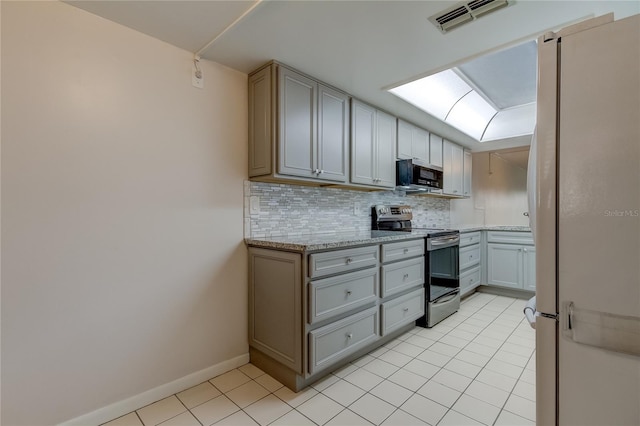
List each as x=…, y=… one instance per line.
x=489, y=98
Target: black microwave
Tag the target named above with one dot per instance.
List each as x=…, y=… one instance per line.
x=413, y=175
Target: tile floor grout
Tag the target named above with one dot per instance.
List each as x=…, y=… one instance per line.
x=237, y=397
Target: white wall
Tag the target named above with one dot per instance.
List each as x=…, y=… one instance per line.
x=499, y=194
x=123, y=265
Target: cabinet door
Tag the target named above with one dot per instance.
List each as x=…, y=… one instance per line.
x=385, y=150
x=435, y=150
x=420, y=146
x=452, y=157
x=504, y=265
x=333, y=134
x=297, y=116
x=405, y=134
x=529, y=268
x=362, y=141
x=466, y=185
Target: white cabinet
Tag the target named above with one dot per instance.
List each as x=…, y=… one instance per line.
x=435, y=150
x=510, y=263
x=466, y=174
x=453, y=168
x=413, y=143
x=373, y=146
x=529, y=268
x=298, y=127
x=470, y=261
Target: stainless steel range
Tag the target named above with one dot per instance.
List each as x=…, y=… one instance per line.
x=442, y=281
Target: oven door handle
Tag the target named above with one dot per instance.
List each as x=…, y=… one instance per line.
x=445, y=299
x=444, y=242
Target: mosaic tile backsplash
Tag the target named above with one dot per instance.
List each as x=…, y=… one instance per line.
x=290, y=210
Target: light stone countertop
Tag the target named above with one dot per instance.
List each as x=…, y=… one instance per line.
x=329, y=240
x=318, y=241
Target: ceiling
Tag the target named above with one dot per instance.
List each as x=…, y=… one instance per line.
x=362, y=47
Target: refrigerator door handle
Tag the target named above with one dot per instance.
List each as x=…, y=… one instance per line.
x=613, y=332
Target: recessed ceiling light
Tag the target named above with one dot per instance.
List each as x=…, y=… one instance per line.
x=492, y=97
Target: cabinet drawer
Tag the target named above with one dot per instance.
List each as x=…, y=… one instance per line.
x=468, y=238
x=402, y=310
x=402, y=250
x=509, y=237
x=470, y=278
x=337, y=261
x=469, y=256
x=335, y=341
x=399, y=276
x=339, y=294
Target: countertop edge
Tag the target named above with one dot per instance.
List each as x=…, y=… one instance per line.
x=313, y=247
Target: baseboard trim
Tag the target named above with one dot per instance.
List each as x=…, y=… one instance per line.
x=128, y=405
x=503, y=291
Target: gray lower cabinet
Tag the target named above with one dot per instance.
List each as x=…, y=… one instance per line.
x=470, y=261
x=298, y=127
x=331, y=343
x=511, y=260
x=275, y=306
x=310, y=313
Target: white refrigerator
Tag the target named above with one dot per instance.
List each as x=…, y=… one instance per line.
x=587, y=224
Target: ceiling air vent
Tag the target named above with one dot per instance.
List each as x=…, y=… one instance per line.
x=465, y=12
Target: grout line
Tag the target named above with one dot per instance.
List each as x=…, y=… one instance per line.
x=497, y=318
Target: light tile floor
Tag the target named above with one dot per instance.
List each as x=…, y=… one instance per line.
x=477, y=367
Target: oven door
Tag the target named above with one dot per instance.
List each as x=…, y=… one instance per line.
x=443, y=272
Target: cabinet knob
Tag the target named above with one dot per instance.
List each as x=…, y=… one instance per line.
x=349, y=335
x=406, y=250
x=348, y=292
x=349, y=260
x=406, y=309
x=405, y=276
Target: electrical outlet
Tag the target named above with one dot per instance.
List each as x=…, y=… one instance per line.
x=197, y=79
x=254, y=204
x=356, y=209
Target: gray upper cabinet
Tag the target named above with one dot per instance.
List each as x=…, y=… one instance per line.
x=373, y=146
x=297, y=123
x=333, y=134
x=435, y=150
x=306, y=120
x=413, y=143
x=467, y=171
x=453, y=168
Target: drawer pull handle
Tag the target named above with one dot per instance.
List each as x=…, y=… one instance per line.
x=406, y=250
x=406, y=309
x=349, y=335
x=470, y=256
x=405, y=276
x=348, y=293
x=349, y=260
